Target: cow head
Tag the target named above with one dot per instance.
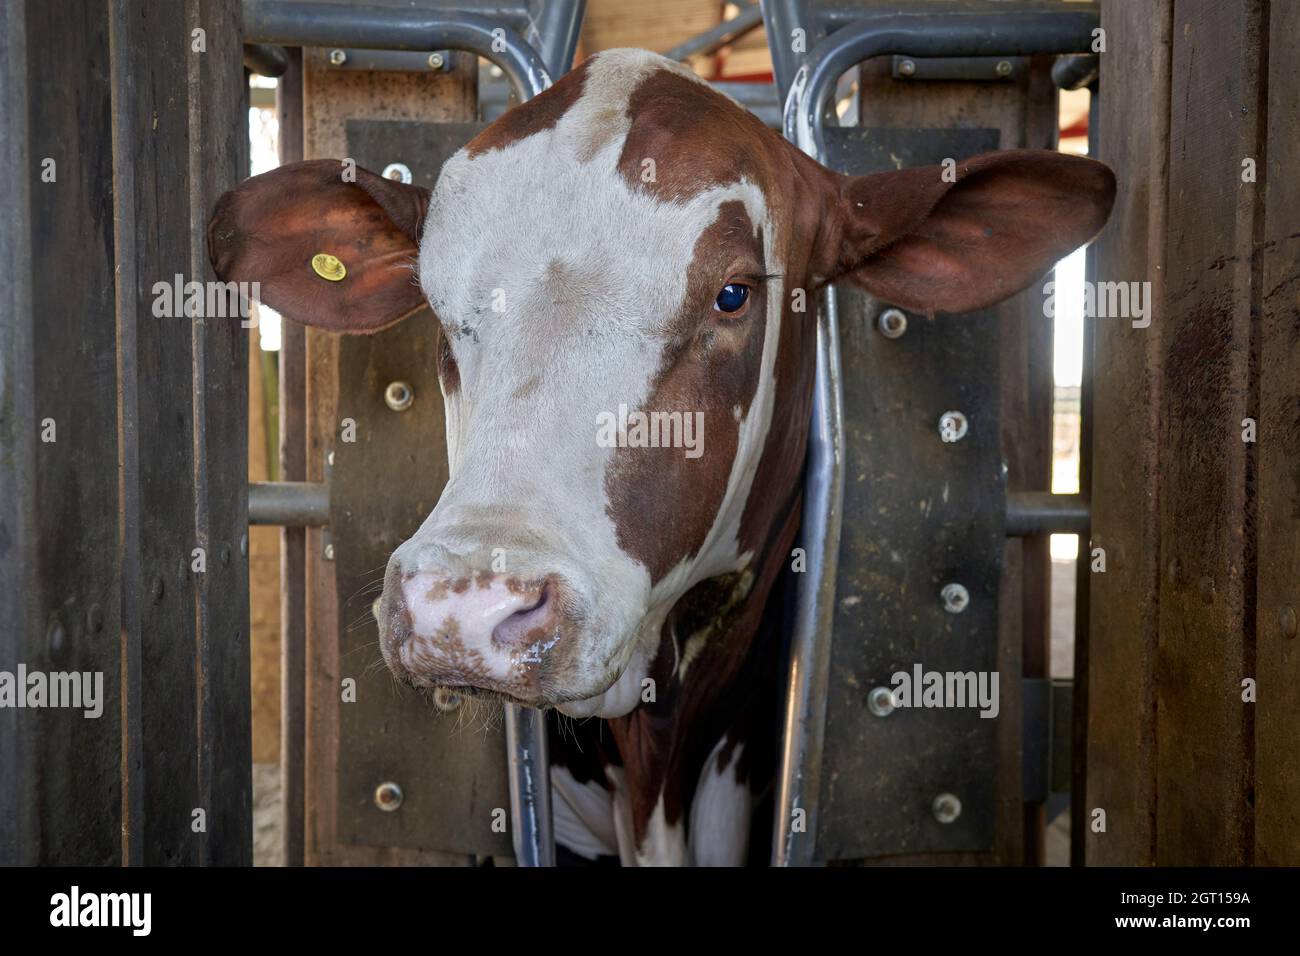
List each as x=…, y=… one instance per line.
x=626, y=261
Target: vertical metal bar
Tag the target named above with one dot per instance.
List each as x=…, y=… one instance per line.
x=530, y=786
x=554, y=29
x=293, y=541
x=804, y=722
x=793, y=29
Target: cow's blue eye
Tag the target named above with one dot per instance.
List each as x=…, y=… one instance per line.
x=732, y=298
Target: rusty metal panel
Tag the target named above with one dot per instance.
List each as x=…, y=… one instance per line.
x=451, y=768
x=919, y=513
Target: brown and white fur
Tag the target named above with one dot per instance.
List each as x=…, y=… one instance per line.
x=573, y=253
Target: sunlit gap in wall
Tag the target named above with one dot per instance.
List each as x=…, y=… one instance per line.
x=1068, y=336
x=264, y=155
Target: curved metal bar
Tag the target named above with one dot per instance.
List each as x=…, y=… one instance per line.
x=290, y=23
x=265, y=60
x=1076, y=72
x=917, y=33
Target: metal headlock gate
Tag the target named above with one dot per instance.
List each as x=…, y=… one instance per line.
x=858, y=780
x=884, y=392
x=866, y=783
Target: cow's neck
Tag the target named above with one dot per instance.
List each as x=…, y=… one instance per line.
x=716, y=670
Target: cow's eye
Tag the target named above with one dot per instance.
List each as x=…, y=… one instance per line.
x=732, y=298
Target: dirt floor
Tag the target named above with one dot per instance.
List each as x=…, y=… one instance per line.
x=268, y=849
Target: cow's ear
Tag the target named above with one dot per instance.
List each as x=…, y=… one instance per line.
x=329, y=244
x=963, y=237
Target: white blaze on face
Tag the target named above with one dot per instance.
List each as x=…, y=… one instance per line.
x=556, y=280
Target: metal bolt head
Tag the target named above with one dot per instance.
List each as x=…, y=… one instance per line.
x=881, y=701
x=329, y=459
x=243, y=545
x=953, y=426
x=388, y=796
x=1286, y=620
x=55, y=636
x=946, y=808
x=399, y=172
x=446, y=700
x=892, y=323
x=955, y=598
x=338, y=57
x=907, y=67
x=1003, y=68
x=329, y=552
x=398, y=396
x=437, y=61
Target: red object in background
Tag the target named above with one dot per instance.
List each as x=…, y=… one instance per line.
x=1078, y=128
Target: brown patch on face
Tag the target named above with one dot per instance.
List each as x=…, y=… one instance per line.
x=662, y=502
x=697, y=138
x=540, y=113
x=779, y=480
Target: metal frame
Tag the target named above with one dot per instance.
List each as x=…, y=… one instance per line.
x=291, y=23
x=528, y=65
x=808, y=82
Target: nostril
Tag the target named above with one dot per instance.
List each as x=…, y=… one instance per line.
x=515, y=629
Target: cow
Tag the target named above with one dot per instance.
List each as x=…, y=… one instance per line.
x=631, y=242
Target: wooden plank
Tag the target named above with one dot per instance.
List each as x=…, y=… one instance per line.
x=18, y=439
x=264, y=602
x=1277, y=717
x=1204, y=759
x=63, y=532
x=218, y=160
x=332, y=97
x=651, y=26
x=181, y=426
x=1126, y=414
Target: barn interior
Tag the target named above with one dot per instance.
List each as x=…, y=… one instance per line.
x=1117, y=533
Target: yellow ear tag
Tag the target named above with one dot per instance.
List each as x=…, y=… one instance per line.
x=328, y=267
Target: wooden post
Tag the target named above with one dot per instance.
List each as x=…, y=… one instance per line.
x=124, y=519
x=1194, y=507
